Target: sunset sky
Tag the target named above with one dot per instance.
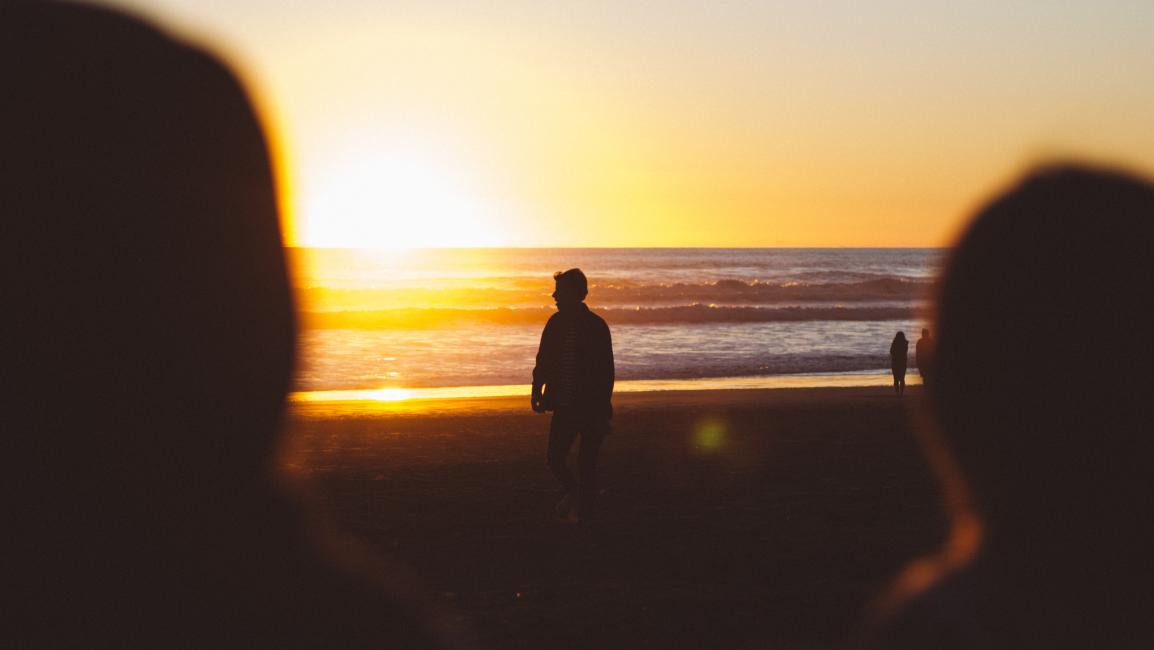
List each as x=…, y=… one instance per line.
x=519, y=123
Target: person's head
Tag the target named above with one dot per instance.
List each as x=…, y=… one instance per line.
x=148, y=347
x=1049, y=419
x=571, y=287
x=144, y=248
x=150, y=316
x=900, y=336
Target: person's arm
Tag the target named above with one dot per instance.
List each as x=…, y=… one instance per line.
x=608, y=369
x=535, y=400
x=612, y=369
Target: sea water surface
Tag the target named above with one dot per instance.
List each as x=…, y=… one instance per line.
x=449, y=322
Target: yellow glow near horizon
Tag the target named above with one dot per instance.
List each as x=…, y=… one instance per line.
x=518, y=123
x=378, y=196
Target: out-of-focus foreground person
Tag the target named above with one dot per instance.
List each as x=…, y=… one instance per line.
x=1041, y=394
x=148, y=343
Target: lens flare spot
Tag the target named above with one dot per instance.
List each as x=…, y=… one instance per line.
x=709, y=435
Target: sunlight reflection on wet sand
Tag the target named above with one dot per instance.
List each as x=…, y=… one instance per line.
x=404, y=398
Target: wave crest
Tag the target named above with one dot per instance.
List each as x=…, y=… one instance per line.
x=724, y=292
x=696, y=313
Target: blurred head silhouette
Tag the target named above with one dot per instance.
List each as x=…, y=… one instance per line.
x=1041, y=394
x=148, y=349
x=1048, y=416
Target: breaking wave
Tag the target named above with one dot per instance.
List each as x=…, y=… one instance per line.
x=696, y=313
x=619, y=294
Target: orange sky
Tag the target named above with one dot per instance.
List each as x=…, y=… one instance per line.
x=449, y=123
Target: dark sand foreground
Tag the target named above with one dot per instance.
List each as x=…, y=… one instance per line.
x=729, y=519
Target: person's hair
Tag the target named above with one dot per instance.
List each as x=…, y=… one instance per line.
x=1036, y=405
x=900, y=336
x=140, y=155
x=1047, y=420
x=574, y=281
x=150, y=299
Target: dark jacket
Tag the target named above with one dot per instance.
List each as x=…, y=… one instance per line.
x=594, y=388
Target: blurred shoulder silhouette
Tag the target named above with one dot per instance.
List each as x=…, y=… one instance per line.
x=1041, y=394
x=148, y=335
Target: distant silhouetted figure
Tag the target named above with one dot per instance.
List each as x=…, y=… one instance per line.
x=1057, y=446
x=573, y=378
x=922, y=352
x=899, y=355
x=148, y=345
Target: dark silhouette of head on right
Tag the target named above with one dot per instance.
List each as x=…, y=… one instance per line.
x=1042, y=397
x=148, y=344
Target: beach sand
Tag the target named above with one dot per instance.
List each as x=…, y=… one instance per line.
x=728, y=519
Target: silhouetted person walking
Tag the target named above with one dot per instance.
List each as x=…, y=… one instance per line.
x=573, y=378
x=1057, y=446
x=899, y=355
x=148, y=346
x=922, y=352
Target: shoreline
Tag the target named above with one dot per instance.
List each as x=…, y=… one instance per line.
x=405, y=398
x=688, y=397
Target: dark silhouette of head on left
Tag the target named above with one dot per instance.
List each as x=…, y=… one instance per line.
x=148, y=335
x=1041, y=394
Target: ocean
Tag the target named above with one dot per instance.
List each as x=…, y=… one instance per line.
x=468, y=321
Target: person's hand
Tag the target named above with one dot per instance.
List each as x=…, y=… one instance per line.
x=535, y=402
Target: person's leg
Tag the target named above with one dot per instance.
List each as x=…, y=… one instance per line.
x=562, y=431
x=591, y=440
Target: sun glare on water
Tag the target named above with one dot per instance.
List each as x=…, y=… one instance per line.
x=390, y=394
x=381, y=197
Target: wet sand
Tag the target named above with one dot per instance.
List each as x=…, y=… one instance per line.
x=728, y=519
